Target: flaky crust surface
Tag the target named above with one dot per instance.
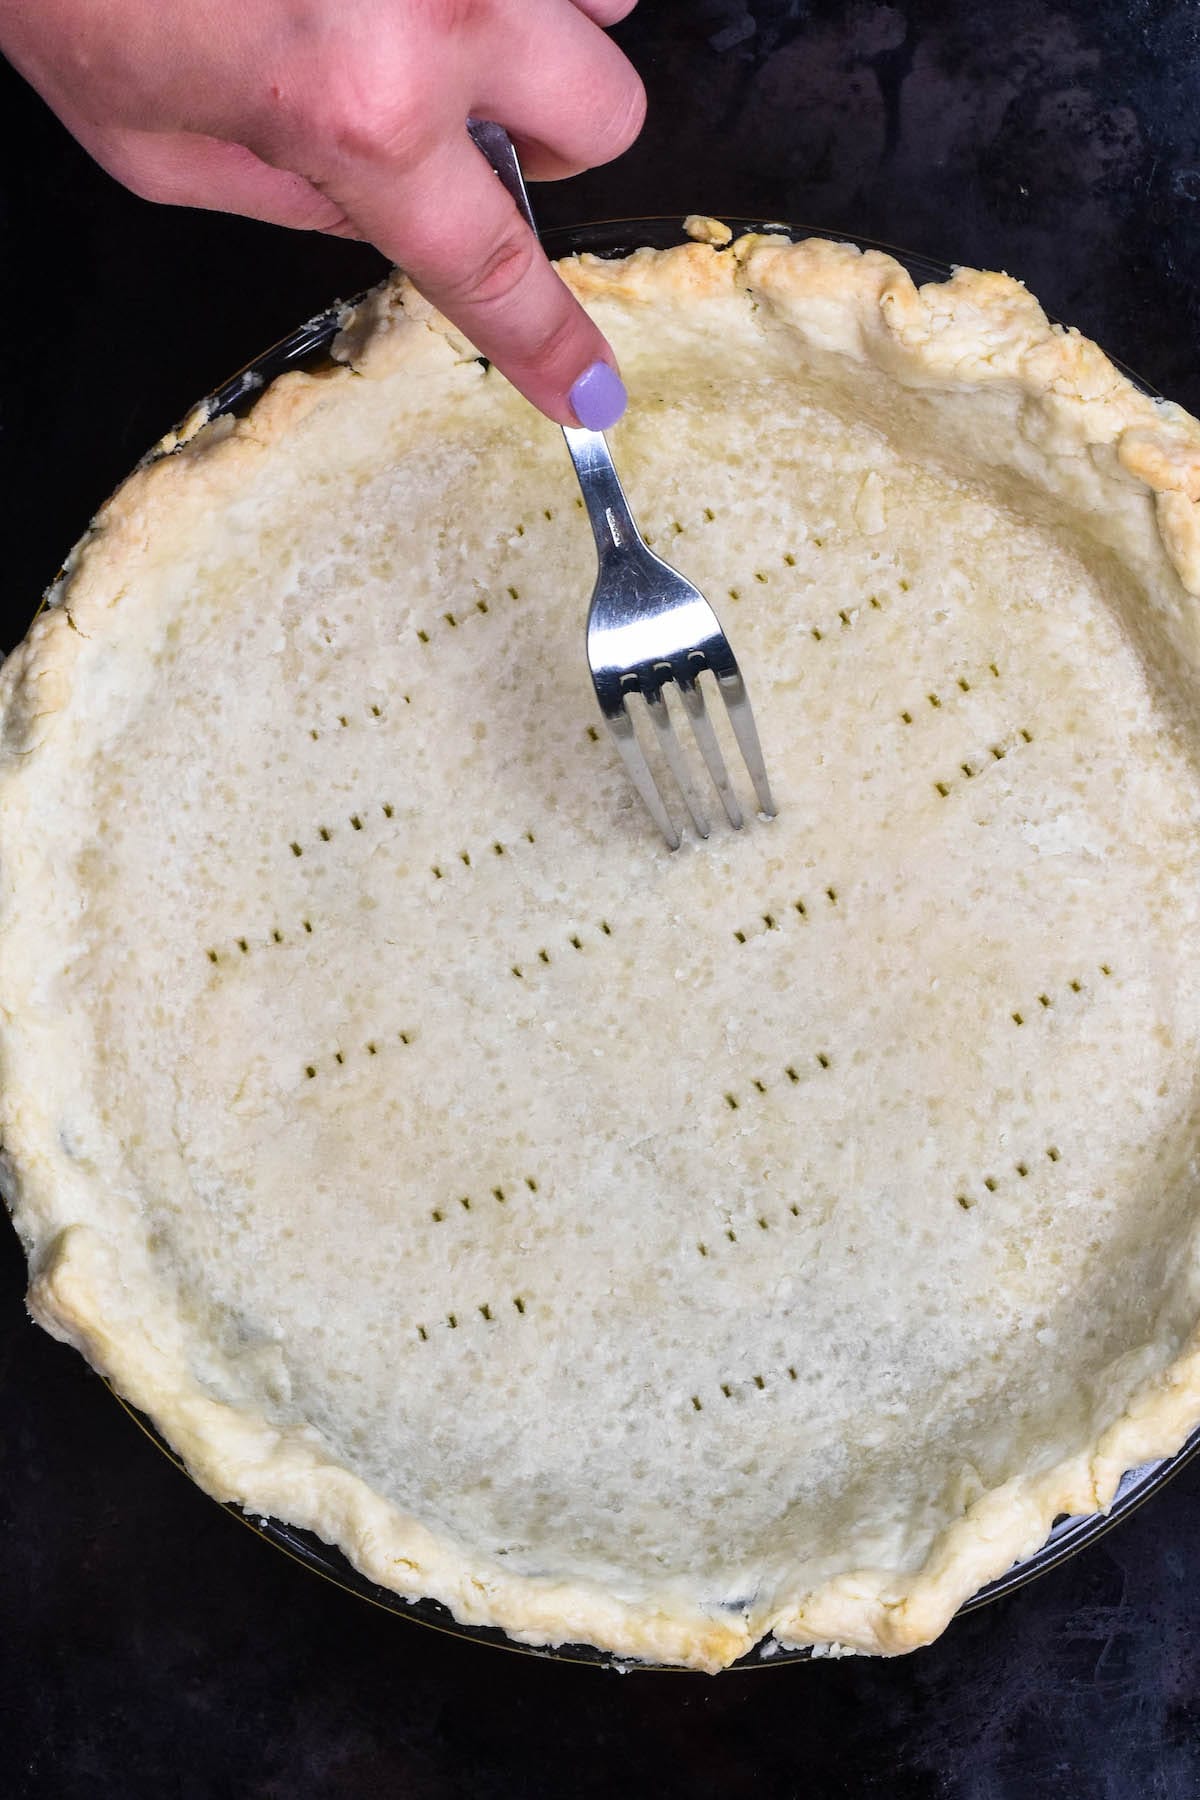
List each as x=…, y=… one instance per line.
x=1039, y=409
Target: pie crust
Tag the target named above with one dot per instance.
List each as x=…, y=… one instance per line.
x=653, y=1251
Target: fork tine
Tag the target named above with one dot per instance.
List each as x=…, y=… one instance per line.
x=710, y=749
x=737, y=705
x=656, y=706
x=638, y=770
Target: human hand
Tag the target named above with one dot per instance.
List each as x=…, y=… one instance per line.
x=349, y=116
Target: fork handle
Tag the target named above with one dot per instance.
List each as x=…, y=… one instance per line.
x=612, y=522
x=607, y=508
x=497, y=146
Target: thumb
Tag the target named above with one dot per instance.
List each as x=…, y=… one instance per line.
x=457, y=233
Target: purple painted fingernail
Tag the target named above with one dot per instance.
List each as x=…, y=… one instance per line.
x=598, y=397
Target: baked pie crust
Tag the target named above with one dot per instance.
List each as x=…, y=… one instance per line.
x=656, y=1251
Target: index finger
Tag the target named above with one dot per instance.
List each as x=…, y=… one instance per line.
x=454, y=229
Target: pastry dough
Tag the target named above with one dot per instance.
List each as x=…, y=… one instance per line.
x=658, y=1251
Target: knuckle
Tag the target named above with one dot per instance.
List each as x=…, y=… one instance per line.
x=375, y=129
x=360, y=115
x=554, y=351
x=460, y=15
x=503, y=270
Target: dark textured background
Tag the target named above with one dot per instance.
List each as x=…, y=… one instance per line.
x=149, y=1645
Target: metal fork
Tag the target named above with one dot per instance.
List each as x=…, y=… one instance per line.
x=647, y=626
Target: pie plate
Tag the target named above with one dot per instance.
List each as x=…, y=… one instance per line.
x=257, y=1363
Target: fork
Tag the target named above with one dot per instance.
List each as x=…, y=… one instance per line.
x=648, y=627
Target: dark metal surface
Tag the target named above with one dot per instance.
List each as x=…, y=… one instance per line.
x=1058, y=140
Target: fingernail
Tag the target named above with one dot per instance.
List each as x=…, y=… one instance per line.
x=598, y=397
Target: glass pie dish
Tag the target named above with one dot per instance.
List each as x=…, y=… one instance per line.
x=308, y=349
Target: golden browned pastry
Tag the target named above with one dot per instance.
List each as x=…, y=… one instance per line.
x=654, y=1250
